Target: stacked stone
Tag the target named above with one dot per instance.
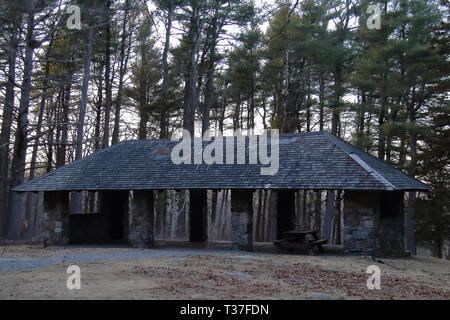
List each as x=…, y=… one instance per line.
x=55, y=218
x=361, y=213
x=241, y=220
x=141, y=219
x=359, y=229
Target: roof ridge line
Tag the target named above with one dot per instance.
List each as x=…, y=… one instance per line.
x=48, y=174
x=371, y=170
x=361, y=162
x=224, y=136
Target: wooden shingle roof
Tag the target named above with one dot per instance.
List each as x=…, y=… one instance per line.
x=317, y=161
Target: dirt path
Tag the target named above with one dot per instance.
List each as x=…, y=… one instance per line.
x=123, y=273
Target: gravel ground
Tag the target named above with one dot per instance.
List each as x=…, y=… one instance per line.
x=31, y=272
x=14, y=261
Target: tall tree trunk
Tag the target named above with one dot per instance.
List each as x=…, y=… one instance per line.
x=21, y=139
x=439, y=244
x=165, y=63
x=362, y=114
x=164, y=125
x=65, y=101
x=84, y=95
x=208, y=97
x=5, y=135
x=259, y=215
x=108, y=89
x=76, y=199
x=321, y=101
x=50, y=135
x=337, y=218
x=318, y=210
x=409, y=217
x=410, y=243
x=265, y=226
x=251, y=125
x=180, y=213
x=98, y=112
x=328, y=216
x=41, y=112
x=191, y=94
x=306, y=213
x=30, y=214
x=124, y=56
x=308, y=114
x=381, y=136
x=144, y=116
x=337, y=101
x=236, y=116
x=402, y=153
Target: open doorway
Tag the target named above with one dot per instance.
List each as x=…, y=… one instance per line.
x=104, y=219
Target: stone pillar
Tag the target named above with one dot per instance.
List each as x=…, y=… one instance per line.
x=198, y=215
x=327, y=223
x=285, y=211
x=409, y=223
x=373, y=222
x=55, y=217
x=180, y=232
x=361, y=217
x=141, y=228
x=242, y=219
x=273, y=216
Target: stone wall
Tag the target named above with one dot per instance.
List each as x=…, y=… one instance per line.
x=242, y=220
x=55, y=217
x=141, y=219
x=374, y=222
x=361, y=217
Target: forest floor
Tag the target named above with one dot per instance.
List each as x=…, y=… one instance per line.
x=31, y=272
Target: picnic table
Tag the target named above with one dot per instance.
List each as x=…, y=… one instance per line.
x=301, y=239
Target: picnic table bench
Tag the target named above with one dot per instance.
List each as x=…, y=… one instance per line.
x=302, y=240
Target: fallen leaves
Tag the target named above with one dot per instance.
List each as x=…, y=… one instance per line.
x=230, y=278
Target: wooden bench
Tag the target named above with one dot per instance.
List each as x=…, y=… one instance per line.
x=301, y=240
